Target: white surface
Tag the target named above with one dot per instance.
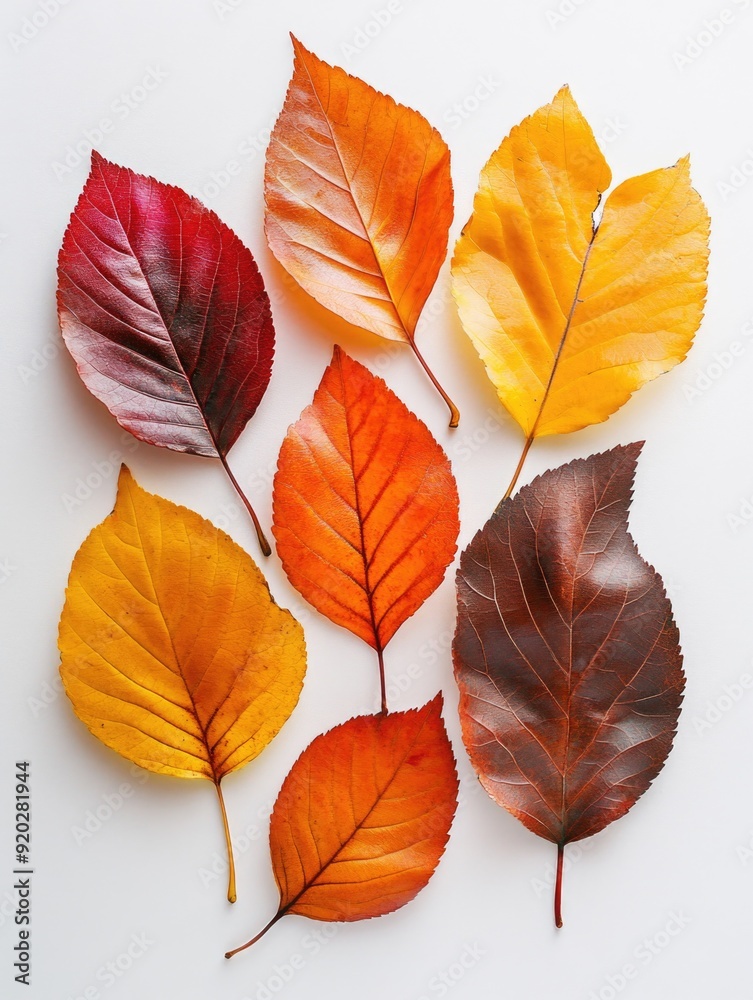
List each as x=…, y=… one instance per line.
x=679, y=849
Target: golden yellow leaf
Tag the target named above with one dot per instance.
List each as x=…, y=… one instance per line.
x=570, y=317
x=173, y=652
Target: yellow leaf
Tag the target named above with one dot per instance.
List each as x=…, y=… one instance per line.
x=173, y=651
x=569, y=317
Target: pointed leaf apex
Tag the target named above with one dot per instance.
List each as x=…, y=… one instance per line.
x=125, y=477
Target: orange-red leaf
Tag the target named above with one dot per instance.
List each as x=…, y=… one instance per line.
x=364, y=816
x=365, y=505
x=358, y=199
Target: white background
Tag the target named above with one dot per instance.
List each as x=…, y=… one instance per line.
x=682, y=850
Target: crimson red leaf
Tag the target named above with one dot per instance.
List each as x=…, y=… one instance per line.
x=566, y=653
x=165, y=313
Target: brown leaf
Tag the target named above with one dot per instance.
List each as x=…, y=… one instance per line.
x=566, y=653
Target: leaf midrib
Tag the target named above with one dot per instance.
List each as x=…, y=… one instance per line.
x=359, y=826
x=158, y=311
x=357, y=207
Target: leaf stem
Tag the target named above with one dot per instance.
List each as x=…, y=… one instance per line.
x=380, y=656
x=262, y=932
x=265, y=547
x=454, y=412
x=558, y=885
x=231, y=893
x=518, y=468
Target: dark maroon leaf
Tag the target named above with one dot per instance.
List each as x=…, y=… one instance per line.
x=566, y=653
x=165, y=313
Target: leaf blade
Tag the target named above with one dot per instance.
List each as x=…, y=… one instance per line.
x=365, y=507
x=539, y=288
x=404, y=757
x=178, y=671
x=164, y=312
x=566, y=652
x=363, y=817
x=358, y=197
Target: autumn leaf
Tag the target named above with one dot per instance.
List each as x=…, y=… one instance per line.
x=358, y=201
x=363, y=817
x=173, y=651
x=566, y=654
x=570, y=317
x=165, y=313
x=365, y=506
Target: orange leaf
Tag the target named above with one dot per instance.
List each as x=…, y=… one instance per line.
x=365, y=506
x=358, y=200
x=363, y=817
x=173, y=652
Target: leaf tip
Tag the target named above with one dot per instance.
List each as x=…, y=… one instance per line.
x=632, y=451
x=436, y=704
x=298, y=48
x=100, y=164
x=125, y=477
x=683, y=164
